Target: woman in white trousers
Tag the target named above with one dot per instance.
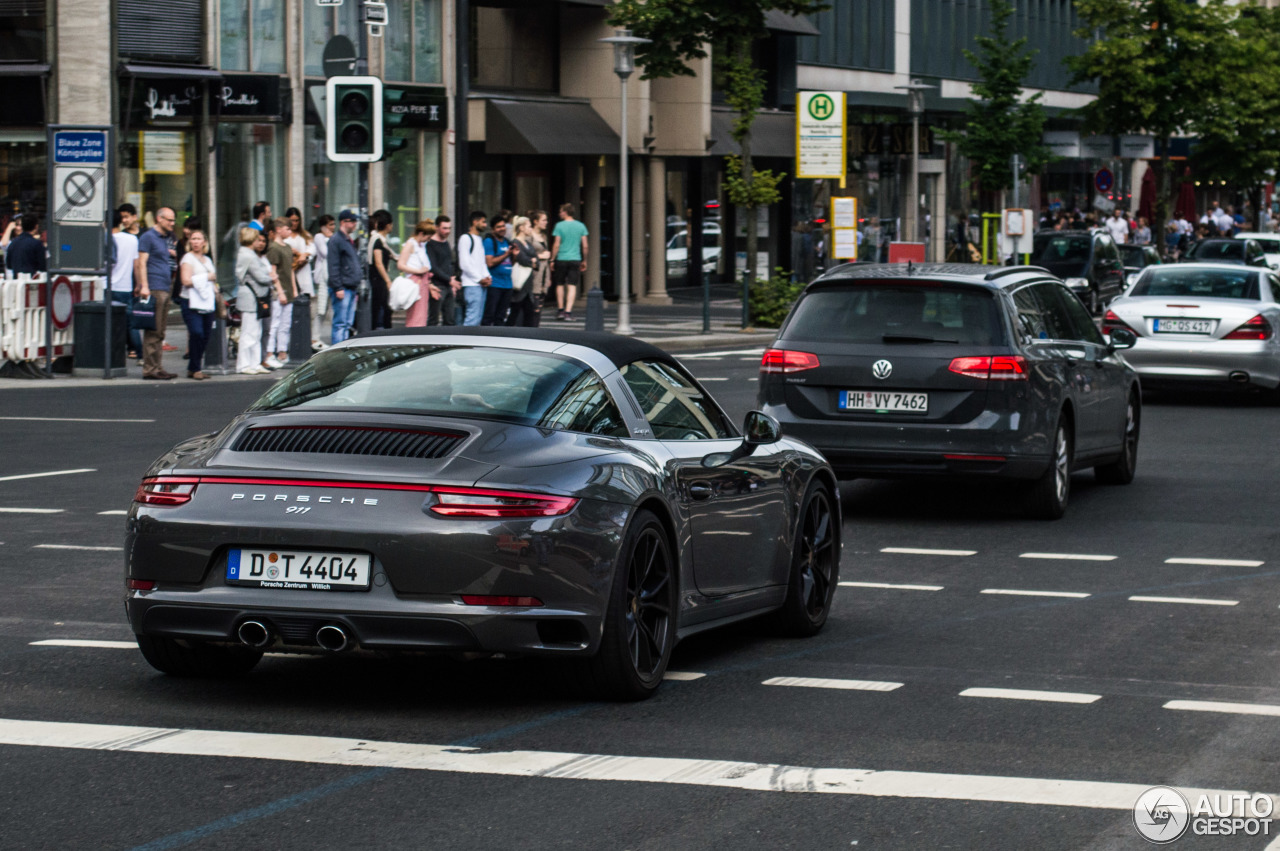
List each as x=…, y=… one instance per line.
x=256, y=281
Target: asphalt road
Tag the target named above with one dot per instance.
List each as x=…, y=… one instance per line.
x=1078, y=713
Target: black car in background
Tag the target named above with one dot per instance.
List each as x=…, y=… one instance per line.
x=1088, y=262
x=954, y=370
x=1239, y=252
x=1136, y=258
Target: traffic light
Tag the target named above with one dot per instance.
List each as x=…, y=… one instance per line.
x=353, y=120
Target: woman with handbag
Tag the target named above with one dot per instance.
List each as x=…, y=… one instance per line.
x=379, y=258
x=415, y=264
x=525, y=304
x=253, y=299
x=200, y=286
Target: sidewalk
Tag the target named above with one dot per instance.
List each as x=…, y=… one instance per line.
x=675, y=327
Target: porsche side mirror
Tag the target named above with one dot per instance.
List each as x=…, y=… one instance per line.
x=760, y=429
x=1123, y=338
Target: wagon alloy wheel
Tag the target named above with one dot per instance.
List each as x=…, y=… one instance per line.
x=1121, y=471
x=1048, y=495
x=1061, y=465
x=815, y=565
x=817, y=554
x=648, y=614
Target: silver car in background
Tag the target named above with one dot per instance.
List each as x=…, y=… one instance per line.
x=1202, y=324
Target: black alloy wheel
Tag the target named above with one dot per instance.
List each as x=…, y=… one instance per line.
x=1121, y=471
x=639, y=627
x=180, y=658
x=815, y=566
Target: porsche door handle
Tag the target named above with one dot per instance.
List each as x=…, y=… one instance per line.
x=700, y=490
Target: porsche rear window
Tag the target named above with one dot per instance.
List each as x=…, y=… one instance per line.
x=876, y=312
x=1198, y=283
x=501, y=384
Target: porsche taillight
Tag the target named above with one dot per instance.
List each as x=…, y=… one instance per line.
x=479, y=502
x=166, y=490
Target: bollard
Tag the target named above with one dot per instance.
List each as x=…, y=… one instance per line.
x=363, y=320
x=215, y=353
x=300, y=330
x=595, y=309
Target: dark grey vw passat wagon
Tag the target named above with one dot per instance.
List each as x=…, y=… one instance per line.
x=954, y=370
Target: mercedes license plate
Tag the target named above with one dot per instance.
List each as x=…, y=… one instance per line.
x=1184, y=326
x=884, y=402
x=298, y=569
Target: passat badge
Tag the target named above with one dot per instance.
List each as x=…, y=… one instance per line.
x=882, y=369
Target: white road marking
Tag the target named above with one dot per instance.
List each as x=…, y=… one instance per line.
x=1068, y=556
x=1216, y=562
x=1075, y=595
x=1231, y=708
x=1026, y=694
x=915, y=551
x=112, y=513
x=682, y=676
x=1195, y=601
x=892, y=587
x=713, y=355
x=84, y=642
x=30, y=510
x=71, y=420
x=761, y=777
x=43, y=475
x=713, y=379
x=847, y=685
x=77, y=547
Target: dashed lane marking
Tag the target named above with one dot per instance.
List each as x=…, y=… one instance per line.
x=78, y=547
x=682, y=676
x=30, y=510
x=1013, y=592
x=1194, y=601
x=847, y=685
x=916, y=551
x=44, y=475
x=1216, y=562
x=891, y=586
x=1027, y=694
x=115, y=512
x=1068, y=556
x=713, y=379
x=84, y=642
x=1229, y=708
x=71, y=420
x=759, y=777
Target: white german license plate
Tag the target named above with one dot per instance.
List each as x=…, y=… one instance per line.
x=298, y=569
x=1184, y=326
x=884, y=401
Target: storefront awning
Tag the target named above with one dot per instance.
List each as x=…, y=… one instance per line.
x=546, y=127
x=23, y=69
x=170, y=72
x=781, y=22
x=773, y=134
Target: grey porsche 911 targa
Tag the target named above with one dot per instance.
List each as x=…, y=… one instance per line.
x=536, y=492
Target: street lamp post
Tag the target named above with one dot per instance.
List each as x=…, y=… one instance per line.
x=624, y=63
x=915, y=106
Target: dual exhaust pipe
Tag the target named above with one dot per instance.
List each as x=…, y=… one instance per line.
x=330, y=637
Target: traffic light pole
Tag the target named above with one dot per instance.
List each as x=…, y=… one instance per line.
x=363, y=319
x=462, y=91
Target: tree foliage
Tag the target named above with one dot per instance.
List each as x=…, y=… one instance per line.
x=999, y=123
x=683, y=31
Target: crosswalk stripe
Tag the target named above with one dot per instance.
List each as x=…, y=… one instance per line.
x=724, y=774
x=1028, y=694
x=1219, y=706
x=891, y=586
x=847, y=685
x=85, y=642
x=917, y=551
x=1195, y=601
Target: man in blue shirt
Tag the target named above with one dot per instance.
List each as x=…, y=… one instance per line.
x=26, y=254
x=157, y=251
x=344, y=276
x=499, y=255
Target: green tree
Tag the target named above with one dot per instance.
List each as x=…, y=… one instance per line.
x=1153, y=62
x=1237, y=137
x=999, y=123
x=682, y=31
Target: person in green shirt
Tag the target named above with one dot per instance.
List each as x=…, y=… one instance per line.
x=569, y=248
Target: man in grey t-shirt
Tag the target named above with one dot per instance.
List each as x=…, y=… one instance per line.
x=156, y=254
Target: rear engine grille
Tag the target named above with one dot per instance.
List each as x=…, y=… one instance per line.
x=346, y=440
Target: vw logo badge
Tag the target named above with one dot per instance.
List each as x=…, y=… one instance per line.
x=882, y=369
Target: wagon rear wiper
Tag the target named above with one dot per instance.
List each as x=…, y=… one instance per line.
x=913, y=338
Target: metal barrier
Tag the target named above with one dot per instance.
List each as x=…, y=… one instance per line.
x=23, y=309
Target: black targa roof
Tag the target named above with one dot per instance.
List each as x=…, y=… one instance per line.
x=617, y=348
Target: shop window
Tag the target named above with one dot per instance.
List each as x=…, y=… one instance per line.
x=331, y=187
x=412, y=41
x=22, y=30
x=319, y=24
x=252, y=36
x=250, y=168
x=23, y=173
x=514, y=48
